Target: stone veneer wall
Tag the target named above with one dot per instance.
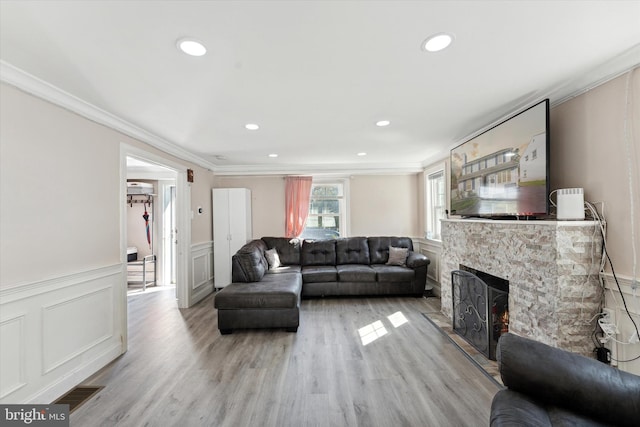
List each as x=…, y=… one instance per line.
x=552, y=268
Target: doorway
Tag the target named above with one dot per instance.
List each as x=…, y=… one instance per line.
x=155, y=186
x=172, y=174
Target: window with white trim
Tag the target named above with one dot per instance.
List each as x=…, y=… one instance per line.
x=436, y=203
x=326, y=212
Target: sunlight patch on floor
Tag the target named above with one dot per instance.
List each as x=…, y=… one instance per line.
x=375, y=330
x=397, y=319
x=372, y=332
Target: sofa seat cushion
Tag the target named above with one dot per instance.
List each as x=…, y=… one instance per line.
x=393, y=273
x=356, y=273
x=274, y=291
x=561, y=417
x=319, y=273
x=285, y=269
x=510, y=408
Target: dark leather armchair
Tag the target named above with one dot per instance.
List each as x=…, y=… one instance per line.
x=547, y=386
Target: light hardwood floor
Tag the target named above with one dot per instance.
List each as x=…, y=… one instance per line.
x=179, y=370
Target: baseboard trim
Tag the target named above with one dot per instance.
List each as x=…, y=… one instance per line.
x=66, y=383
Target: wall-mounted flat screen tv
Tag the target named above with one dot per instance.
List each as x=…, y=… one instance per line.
x=504, y=171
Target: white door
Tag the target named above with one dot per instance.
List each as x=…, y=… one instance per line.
x=239, y=229
x=221, y=236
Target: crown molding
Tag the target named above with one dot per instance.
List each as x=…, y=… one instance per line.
x=33, y=85
x=346, y=169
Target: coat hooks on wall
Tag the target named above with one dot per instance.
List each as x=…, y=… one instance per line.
x=147, y=199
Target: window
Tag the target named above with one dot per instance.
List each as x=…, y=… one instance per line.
x=326, y=212
x=436, y=202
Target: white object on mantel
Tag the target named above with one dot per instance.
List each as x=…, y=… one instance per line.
x=570, y=204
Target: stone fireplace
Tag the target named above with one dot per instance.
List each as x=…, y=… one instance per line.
x=552, y=268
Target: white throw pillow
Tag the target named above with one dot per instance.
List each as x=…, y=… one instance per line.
x=272, y=258
x=397, y=256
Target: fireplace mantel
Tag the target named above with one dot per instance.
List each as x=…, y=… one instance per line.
x=552, y=268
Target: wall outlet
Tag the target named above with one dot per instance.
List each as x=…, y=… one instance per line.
x=607, y=322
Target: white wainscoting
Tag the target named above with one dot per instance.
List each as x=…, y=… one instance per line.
x=613, y=300
x=201, y=271
x=433, y=251
x=55, y=333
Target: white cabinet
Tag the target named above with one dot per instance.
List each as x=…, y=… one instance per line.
x=231, y=229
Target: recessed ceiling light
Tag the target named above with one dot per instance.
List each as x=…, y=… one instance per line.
x=383, y=123
x=191, y=47
x=362, y=154
x=252, y=126
x=273, y=155
x=437, y=42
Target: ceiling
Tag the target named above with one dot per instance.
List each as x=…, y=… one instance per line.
x=316, y=75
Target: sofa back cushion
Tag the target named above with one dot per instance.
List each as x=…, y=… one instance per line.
x=249, y=263
x=352, y=250
x=318, y=252
x=288, y=249
x=379, y=247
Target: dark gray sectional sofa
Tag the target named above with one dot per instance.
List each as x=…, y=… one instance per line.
x=268, y=296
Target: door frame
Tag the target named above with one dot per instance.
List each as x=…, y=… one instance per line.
x=183, y=225
x=165, y=189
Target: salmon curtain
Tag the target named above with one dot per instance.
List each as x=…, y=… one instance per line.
x=297, y=195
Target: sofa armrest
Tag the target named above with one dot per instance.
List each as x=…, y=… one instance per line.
x=415, y=260
x=569, y=380
x=249, y=264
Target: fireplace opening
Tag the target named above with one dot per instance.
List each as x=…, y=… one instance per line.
x=480, y=308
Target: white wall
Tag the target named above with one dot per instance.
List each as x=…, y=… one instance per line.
x=384, y=205
x=379, y=204
x=60, y=198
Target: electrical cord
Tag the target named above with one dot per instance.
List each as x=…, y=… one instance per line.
x=628, y=136
x=624, y=302
x=590, y=207
x=626, y=361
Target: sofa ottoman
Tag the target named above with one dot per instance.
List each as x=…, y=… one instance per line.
x=273, y=302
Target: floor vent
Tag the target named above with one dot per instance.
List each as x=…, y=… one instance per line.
x=78, y=396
